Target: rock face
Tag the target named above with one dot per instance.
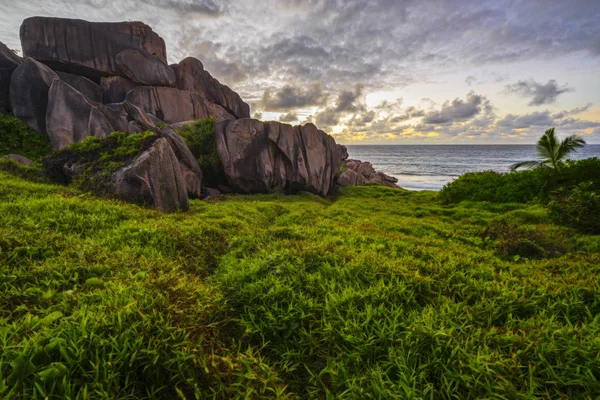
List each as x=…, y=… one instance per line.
x=115, y=89
x=154, y=178
x=70, y=117
x=191, y=76
x=168, y=104
x=18, y=159
x=260, y=156
x=9, y=61
x=351, y=178
x=83, y=85
x=190, y=170
x=29, y=87
x=145, y=69
x=87, y=48
x=365, y=171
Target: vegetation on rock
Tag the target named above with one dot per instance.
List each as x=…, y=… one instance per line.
x=18, y=138
x=378, y=293
x=93, y=160
x=200, y=138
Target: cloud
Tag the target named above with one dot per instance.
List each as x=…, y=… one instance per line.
x=289, y=97
x=349, y=100
x=469, y=80
x=289, y=117
x=207, y=7
x=539, y=93
x=458, y=110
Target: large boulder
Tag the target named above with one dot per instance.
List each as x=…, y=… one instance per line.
x=190, y=169
x=9, y=61
x=145, y=69
x=191, y=75
x=260, y=156
x=83, y=85
x=87, y=48
x=29, y=85
x=115, y=89
x=168, y=104
x=154, y=178
x=71, y=117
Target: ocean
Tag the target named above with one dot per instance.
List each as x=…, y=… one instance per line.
x=430, y=167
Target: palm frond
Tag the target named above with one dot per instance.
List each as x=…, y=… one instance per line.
x=547, y=146
x=569, y=145
x=526, y=164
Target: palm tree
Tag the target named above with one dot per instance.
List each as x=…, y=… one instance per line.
x=551, y=151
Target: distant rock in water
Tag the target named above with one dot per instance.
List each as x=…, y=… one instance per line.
x=84, y=79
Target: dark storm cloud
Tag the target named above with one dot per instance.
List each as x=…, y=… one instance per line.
x=208, y=7
x=458, y=110
x=539, y=93
x=289, y=117
x=289, y=97
x=349, y=100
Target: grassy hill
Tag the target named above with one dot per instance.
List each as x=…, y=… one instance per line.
x=377, y=293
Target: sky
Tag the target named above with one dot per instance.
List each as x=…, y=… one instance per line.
x=382, y=71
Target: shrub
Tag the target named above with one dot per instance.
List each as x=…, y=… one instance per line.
x=16, y=137
x=200, y=138
x=518, y=187
x=578, y=207
x=521, y=186
x=94, y=160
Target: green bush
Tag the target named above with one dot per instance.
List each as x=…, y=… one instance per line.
x=521, y=186
x=18, y=138
x=518, y=187
x=96, y=159
x=200, y=138
x=578, y=207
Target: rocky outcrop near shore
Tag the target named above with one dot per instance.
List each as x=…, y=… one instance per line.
x=80, y=79
x=358, y=173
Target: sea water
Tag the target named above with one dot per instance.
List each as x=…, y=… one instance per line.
x=430, y=167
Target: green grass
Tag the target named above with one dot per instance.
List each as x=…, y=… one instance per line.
x=379, y=293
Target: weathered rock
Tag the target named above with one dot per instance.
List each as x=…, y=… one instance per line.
x=83, y=85
x=168, y=104
x=259, y=156
x=115, y=89
x=367, y=172
x=384, y=179
x=343, y=152
x=145, y=69
x=190, y=170
x=154, y=178
x=9, y=61
x=18, y=159
x=86, y=48
x=191, y=75
x=363, y=168
x=29, y=87
x=218, y=112
x=71, y=117
x=350, y=178
x=210, y=193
